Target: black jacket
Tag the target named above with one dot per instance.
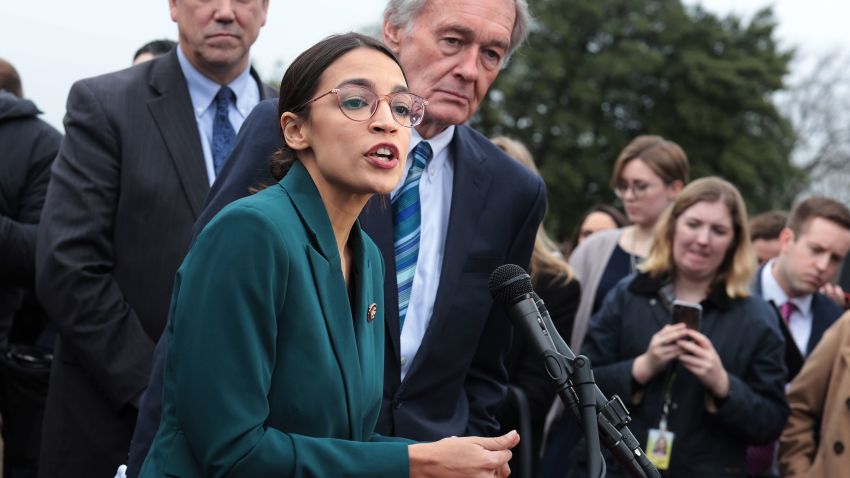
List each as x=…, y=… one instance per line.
x=27, y=148
x=751, y=348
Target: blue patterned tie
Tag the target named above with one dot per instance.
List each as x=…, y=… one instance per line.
x=223, y=133
x=406, y=222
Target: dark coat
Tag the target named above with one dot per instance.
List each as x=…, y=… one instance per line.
x=127, y=186
x=748, y=341
x=28, y=147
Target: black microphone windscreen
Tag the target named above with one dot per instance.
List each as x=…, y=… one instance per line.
x=509, y=282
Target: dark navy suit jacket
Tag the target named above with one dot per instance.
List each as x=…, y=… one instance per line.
x=824, y=312
x=458, y=378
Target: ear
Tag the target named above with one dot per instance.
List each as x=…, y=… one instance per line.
x=393, y=36
x=295, y=131
x=172, y=8
x=265, y=8
x=786, y=237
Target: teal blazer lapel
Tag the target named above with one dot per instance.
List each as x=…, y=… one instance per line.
x=325, y=266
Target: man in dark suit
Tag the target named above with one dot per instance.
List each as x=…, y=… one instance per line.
x=142, y=147
x=444, y=369
x=813, y=245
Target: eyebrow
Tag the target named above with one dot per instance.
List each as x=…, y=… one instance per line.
x=469, y=33
x=370, y=85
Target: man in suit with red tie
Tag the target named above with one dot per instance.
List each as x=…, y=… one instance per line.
x=813, y=245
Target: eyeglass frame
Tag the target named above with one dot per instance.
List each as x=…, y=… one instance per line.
x=378, y=98
x=638, y=193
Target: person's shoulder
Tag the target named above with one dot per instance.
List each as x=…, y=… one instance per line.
x=825, y=307
x=116, y=82
x=596, y=242
x=268, y=209
x=758, y=312
x=501, y=166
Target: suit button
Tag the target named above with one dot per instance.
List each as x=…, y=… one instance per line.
x=838, y=448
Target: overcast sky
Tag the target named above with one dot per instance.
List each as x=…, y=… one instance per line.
x=52, y=43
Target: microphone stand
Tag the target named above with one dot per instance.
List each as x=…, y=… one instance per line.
x=577, y=389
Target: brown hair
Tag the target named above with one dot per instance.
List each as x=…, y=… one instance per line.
x=767, y=225
x=545, y=258
x=9, y=79
x=737, y=267
x=664, y=157
x=817, y=206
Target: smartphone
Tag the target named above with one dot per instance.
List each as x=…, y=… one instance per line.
x=687, y=312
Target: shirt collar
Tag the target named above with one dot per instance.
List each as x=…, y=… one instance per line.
x=772, y=291
x=202, y=90
x=438, y=143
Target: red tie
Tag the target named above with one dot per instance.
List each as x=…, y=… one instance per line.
x=786, y=310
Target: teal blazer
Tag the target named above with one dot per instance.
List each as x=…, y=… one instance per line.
x=272, y=370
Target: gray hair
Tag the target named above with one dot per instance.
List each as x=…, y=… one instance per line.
x=402, y=13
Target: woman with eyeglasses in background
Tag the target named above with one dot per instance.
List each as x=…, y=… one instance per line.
x=647, y=175
x=275, y=359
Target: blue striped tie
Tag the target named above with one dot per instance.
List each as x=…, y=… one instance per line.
x=406, y=222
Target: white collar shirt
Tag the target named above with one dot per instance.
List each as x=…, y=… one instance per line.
x=800, y=321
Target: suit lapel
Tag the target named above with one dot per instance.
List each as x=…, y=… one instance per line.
x=325, y=266
x=377, y=221
x=173, y=113
x=364, y=300
x=820, y=322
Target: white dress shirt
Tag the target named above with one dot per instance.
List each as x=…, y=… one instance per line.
x=800, y=322
x=202, y=91
x=435, y=198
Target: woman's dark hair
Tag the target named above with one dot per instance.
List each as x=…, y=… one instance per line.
x=302, y=78
x=619, y=219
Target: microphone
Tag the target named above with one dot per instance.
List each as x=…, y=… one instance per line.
x=510, y=286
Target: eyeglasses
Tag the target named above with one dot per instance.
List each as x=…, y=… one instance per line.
x=358, y=103
x=638, y=190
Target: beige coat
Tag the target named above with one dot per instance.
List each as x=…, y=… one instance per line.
x=820, y=392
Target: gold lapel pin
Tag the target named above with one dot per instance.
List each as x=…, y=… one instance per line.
x=373, y=311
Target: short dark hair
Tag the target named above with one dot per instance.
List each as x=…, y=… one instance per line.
x=818, y=206
x=767, y=225
x=156, y=47
x=9, y=79
x=301, y=80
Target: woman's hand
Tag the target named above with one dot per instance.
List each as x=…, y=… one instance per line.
x=700, y=357
x=661, y=350
x=463, y=457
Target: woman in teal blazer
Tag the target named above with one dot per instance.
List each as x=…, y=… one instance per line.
x=275, y=362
